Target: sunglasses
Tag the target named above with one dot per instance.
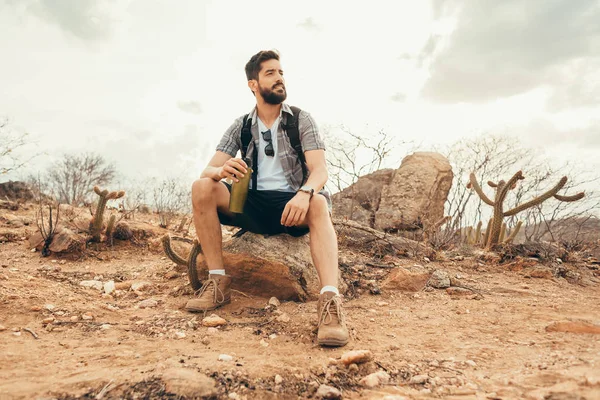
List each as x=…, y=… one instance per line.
x=269, y=151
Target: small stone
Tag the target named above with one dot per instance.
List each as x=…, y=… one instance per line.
x=471, y=363
x=273, y=301
x=458, y=291
x=94, y=284
x=419, y=379
x=49, y=307
x=439, y=279
x=225, y=357
x=382, y=303
x=285, y=318
x=179, y=334
x=213, y=320
x=233, y=396
x=148, y=303
x=105, y=326
x=332, y=361
x=353, y=368
x=87, y=316
x=48, y=320
x=212, y=331
x=278, y=379
x=172, y=275
x=2, y=328
x=272, y=336
x=205, y=341
x=375, y=379
x=264, y=343
x=17, y=333
x=36, y=308
x=123, y=285
x=356, y=357
x=74, y=318
x=592, y=380
x=328, y=392
x=109, y=287
x=140, y=286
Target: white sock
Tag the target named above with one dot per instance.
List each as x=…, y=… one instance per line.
x=216, y=272
x=330, y=289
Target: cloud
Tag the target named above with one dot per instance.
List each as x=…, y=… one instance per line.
x=500, y=49
x=191, y=107
x=84, y=19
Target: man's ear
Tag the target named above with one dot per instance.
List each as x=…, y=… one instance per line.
x=253, y=85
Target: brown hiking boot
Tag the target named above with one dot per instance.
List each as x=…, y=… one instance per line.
x=332, y=323
x=214, y=293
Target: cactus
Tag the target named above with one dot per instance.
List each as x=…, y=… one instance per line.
x=486, y=235
x=98, y=219
x=190, y=262
x=182, y=224
x=502, y=188
x=502, y=233
x=514, y=233
x=110, y=228
x=478, y=233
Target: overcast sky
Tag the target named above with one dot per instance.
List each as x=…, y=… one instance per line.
x=153, y=84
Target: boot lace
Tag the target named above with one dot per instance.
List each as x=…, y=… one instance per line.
x=216, y=291
x=331, y=308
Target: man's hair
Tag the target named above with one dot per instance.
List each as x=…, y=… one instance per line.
x=253, y=66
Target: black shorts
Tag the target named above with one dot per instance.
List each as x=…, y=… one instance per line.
x=262, y=213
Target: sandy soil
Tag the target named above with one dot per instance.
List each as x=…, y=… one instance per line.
x=61, y=340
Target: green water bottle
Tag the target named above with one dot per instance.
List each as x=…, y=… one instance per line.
x=239, y=190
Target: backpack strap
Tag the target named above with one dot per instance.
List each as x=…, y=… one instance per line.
x=246, y=139
x=293, y=132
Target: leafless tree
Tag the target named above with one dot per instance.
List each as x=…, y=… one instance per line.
x=73, y=177
x=11, y=142
x=170, y=197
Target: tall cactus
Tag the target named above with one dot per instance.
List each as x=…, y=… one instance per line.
x=96, y=224
x=502, y=189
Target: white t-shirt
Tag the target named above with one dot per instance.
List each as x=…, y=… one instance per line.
x=270, y=170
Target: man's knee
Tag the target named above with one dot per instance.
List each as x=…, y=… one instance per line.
x=318, y=208
x=203, y=190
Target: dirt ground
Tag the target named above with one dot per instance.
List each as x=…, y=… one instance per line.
x=60, y=340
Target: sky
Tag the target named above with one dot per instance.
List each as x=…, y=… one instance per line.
x=153, y=84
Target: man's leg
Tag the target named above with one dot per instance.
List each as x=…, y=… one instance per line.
x=324, y=251
x=208, y=197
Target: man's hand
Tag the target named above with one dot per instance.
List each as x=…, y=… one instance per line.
x=296, y=209
x=233, y=168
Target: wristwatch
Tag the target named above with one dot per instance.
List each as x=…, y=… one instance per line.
x=307, y=189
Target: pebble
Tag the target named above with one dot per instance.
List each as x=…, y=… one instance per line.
x=49, y=307
x=278, y=379
x=36, y=308
x=148, y=303
x=264, y=343
x=233, y=396
x=356, y=357
x=2, y=328
x=172, y=275
x=332, y=361
x=123, y=285
x=105, y=326
x=328, y=392
x=179, y=334
x=74, y=318
x=92, y=284
x=138, y=286
x=283, y=318
x=419, y=379
x=382, y=303
x=273, y=336
x=213, y=320
x=87, y=316
x=17, y=333
x=48, y=320
x=471, y=363
x=375, y=379
x=439, y=279
x=212, y=331
x=225, y=357
x=109, y=287
x=353, y=368
x=273, y=301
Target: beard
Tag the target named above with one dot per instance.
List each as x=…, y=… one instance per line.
x=272, y=97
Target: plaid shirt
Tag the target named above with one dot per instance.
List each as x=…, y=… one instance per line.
x=309, y=138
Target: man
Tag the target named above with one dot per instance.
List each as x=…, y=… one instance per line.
x=281, y=201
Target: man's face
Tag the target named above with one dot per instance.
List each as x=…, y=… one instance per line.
x=271, y=85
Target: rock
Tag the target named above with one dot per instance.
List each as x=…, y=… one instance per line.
x=419, y=379
x=188, y=383
x=92, y=284
x=573, y=327
x=458, y=291
x=87, y=316
x=225, y=357
x=471, y=363
x=416, y=195
x=125, y=285
x=172, y=275
x=66, y=241
x=285, y=318
x=375, y=379
x=328, y=392
x=122, y=231
x=278, y=380
x=356, y=357
x=404, y=280
x=213, y=320
x=264, y=343
x=439, y=279
x=540, y=272
x=179, y=334
x=105, y=326
x=140, y=286
x=16, y=190
x=212, y=331
x=148, y=303
x=2, y=328
x=359, y=201
x=109, y=287
x=274, y=302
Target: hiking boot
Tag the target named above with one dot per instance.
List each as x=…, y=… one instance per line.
x=332, y=323
x=214, y=293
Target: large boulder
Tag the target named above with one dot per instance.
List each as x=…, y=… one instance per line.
x=279, y=265
x=415, y=197
x=12, y=190
x=359, y=201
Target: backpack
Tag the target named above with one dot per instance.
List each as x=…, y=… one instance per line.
x=291, y=128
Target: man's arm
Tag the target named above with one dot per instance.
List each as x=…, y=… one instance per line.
x=296, y=209
x=222, y=165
